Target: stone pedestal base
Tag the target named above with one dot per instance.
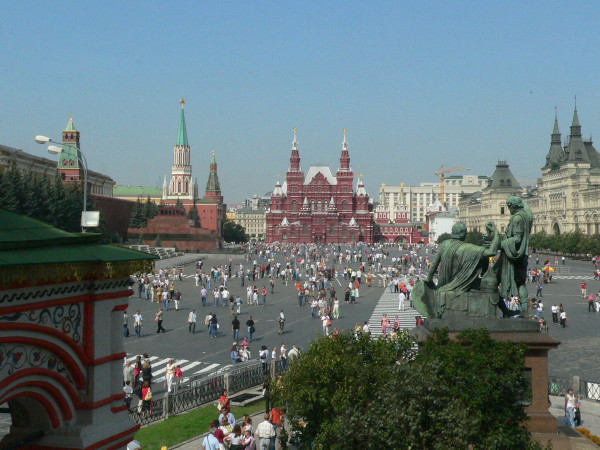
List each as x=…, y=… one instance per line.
x=536, y=363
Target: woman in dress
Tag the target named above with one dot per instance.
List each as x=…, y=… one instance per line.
x=384, y=325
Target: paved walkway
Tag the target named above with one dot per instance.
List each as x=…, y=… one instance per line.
x=388, y=304
x=590, y=413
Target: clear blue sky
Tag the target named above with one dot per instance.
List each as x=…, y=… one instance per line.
x=417, y=84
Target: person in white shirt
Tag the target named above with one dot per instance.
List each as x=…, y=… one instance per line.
x=128, y=390
x=264, y=432
x=401, y=298
x=283, y=358
x=192, y=321
x=365, y=328
x=137, y=323
x=554, y=310
x=170, y=374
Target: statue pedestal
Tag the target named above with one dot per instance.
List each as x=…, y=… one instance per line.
x=536, y=364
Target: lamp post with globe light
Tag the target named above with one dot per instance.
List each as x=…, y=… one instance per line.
x=88, y=218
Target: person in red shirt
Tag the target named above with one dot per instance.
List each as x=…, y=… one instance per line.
x=583, y=289
x=224, y=401
x=264, y=295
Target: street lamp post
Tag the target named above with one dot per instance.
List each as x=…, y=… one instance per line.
x=86, y=220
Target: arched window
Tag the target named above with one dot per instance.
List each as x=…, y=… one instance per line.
x=319, y=206
x=179, y=186
x=294, y=205
x=312, y=205
x=344, y=205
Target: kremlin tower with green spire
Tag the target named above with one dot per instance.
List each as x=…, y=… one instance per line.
x=183, y=189
x=181, y=186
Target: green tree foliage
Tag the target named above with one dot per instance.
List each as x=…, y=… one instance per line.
x=44, y=198
x=474, y=237
x=333, y=384
x=569, y=243
x=193, y=215
x=346, y=392
x=233, y=232
x=138, y=215
x=443, y=237
x=150, y=209
x=142, y=212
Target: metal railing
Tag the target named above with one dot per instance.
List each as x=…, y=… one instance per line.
x=245, y=375
x=145, y=414
x=203, y=390
x=200, y=393
x=583, y=389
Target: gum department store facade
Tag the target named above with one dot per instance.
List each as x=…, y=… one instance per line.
x=565, y=199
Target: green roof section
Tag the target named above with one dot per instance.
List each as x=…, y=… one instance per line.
x=70, y=125
x=137, y=191
x=182, y=135
x=24, y=241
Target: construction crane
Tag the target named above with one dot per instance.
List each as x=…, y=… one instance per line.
x=442, y=172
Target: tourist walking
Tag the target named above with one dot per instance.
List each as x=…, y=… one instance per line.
x=281, y=320
x=326, y=322
x=336, y=308
x=384, y=325
x=192, y=321
x=251, y=329
x=125, y=324
x=177, y=298
x=401, y=299
x=213, y=327
x=570, y=400
x=235, y=326
x=158, y=318
x=264, y=432
x=563, y=319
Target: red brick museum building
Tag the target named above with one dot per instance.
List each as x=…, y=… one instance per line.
x=318, y=207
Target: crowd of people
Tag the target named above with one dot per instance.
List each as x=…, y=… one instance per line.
x=137, y=381
x=228, y=432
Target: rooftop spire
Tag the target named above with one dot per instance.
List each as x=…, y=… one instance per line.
x=575, y=126
x=345, y=156
x=295, y=157
x=556, y=153
x=213, y=187
x=70, y=125
x=182, y=134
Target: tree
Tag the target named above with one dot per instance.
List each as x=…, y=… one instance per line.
x=374, y=394
x=193, y=215
x=334, y=382
x=233, y=232
x=150, y=209
x=12, y=190
x=443, y=237
x=474, y=237
x=138, y=217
